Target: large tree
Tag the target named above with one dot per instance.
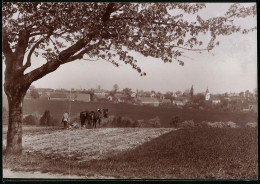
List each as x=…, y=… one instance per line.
x=65, y=32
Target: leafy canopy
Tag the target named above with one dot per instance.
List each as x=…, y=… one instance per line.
x=64, y=32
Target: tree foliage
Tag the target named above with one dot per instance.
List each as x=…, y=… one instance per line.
x=64, y=32
x=115, y=88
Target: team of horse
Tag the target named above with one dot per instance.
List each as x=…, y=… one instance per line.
x=93, y=117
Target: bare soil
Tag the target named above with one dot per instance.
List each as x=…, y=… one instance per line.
x=83, y=144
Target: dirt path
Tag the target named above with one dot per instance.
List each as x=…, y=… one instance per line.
x=7, y=173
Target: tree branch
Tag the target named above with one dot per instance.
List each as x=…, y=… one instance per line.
x=21, y=46
x=42, y=71
x=196, y=50
x=109, y=9
x=81, y=53
x=28, y=62
x=6, y=46
x=65, y=54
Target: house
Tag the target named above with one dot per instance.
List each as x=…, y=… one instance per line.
x=215, y=100
x=166, y=101
x=161, y=97
x=110, y=98
x=178, y=103
x=174, y=95
x=59, y=96
x=119, y=97
x=44, y=90
x=149, y=101
x=152, y=95
x=140, y=94
x=45, y=96
x=100, y=93
x=83, y=97
x=236, y=98
x=186, y=92
x=183, y=99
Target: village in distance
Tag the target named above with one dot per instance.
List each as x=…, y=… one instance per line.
x=244, y=101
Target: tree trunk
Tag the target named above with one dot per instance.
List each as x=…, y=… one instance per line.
x=15, y=90
x=14, y=133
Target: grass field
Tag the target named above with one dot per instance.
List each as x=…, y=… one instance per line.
x=140, y=152
x=165, y=114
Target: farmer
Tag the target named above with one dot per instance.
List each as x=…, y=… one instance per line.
x=65, y=120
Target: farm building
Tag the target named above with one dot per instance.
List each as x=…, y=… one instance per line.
x=178, y=103
x=149, y=101
x=183, y=99
x=152, y=95
x=82, y=97
x=174, y=95
x=215, y=100
x=44, y=90
x=45, y=96
x=119, y=97
x=100, y=92
x=110, y=98
x=161, y=97
x=166, y=101
x=58, y=96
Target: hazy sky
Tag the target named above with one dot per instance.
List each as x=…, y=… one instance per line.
x=233, y=68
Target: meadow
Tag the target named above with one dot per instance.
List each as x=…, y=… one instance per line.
x=135, y=112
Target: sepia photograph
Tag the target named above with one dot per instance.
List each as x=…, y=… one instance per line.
x=124, y=90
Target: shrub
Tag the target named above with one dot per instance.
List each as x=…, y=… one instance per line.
x=47, y=120
x=251, y=124
x=30, y=120
x=187, y=124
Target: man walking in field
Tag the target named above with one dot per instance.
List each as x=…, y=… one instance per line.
x=65, y=120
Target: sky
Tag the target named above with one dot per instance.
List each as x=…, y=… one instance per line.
x=231, y=67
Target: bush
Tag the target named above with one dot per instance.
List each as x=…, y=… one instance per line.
x=47, y=120
x=130, y=123
x=30, y=120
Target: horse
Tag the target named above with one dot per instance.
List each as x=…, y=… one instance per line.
x=99, y=115
x=86, y=115
x=93, y=117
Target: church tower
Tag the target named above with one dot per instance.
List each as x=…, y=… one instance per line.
x=191, y=91
x=207, y=95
